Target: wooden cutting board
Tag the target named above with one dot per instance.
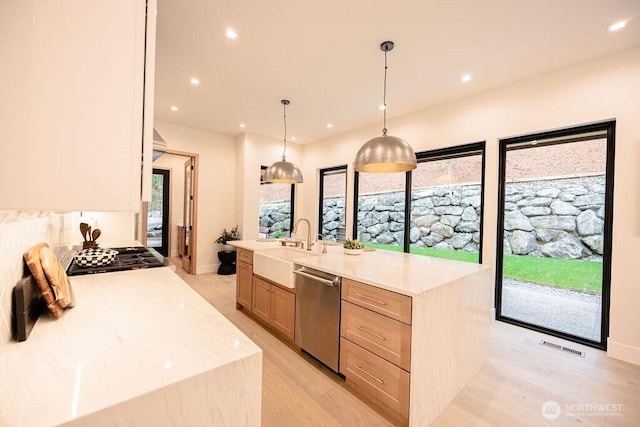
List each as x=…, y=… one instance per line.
x=32, y=258
x=57, y=278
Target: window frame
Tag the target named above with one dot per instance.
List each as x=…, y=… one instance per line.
x=293, y=199
x=457, y=151
x=322, y=173
x=523, y=141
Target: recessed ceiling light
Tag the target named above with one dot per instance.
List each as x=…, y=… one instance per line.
x=231, y=34
x=616, y=26
x=194, y=81
x=465, y=78
x=174, y=108
x=242, y=125
x=382, y=107
x=293, y=138
x=329, y=125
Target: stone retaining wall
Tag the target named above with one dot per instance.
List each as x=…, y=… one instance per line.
x=559, y=218
x=275, y=219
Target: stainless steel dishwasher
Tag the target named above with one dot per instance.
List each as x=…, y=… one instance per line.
x=318, y=315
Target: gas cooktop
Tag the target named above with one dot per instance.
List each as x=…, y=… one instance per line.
x=130, y=258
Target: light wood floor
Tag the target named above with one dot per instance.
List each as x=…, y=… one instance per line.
x=510, y=390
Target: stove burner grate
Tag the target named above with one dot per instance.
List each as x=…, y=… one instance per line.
x=128, y=258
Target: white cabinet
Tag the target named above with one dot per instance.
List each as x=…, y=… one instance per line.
x=73, y=96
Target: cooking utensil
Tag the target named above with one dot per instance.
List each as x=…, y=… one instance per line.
x=96, y=233
x=84, y=227
x=89, y=233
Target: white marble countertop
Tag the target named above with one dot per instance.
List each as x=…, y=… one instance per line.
x=255, y=245
x=131, y=333
x=399, y=272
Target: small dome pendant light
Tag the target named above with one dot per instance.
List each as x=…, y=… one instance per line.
x=283, y=172
x=385, y=153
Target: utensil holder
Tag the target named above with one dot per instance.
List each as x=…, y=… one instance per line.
x=89, y=245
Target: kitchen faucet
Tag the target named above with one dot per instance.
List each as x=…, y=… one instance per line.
x=295, y=230
x=324, y=242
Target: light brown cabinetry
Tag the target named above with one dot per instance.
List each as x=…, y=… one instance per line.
x=181, y=239
x=375, y=344
x=381, y=335
x=274, y=305
x=374, y=377
x=283, y=311
x=244, y=278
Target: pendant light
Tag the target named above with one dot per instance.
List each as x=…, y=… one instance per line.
x=283, y=172
x=385, y=153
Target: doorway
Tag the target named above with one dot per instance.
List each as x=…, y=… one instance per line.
x=554, y=243
x=158, y=212
x=182, y=229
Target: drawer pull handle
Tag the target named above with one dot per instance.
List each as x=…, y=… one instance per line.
x=377, y=301
x=362, y=328
x=380, y=380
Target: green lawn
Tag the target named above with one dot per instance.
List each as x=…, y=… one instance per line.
x=564, y=273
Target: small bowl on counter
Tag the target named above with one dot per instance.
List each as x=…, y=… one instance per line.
x=95, y=257
x=353, y=251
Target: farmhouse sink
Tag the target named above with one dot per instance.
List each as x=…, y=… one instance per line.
x=277, y=264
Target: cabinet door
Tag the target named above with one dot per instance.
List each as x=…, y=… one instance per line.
x=261, y=304
x=243, y=284
x=283, y=307
x=72, y=133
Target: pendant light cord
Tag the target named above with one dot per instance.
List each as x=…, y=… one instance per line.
x=284, y=115
x=384, y=98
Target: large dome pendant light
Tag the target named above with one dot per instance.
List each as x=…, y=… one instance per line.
x=385, y=153
x=283, y=172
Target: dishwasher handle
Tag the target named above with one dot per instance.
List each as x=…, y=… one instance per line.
x=317, y=278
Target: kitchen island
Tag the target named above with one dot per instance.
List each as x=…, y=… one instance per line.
x=140, y=348
x=414, y=329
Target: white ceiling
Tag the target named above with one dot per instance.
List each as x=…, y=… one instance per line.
x=325, y=57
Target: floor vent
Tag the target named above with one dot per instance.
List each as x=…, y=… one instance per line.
x=562, y=348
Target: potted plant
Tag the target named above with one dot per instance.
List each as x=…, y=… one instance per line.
x=227, y=236
x=353, y=247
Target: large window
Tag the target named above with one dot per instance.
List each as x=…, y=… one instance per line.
x=554, y=235
x=333, y=198
x=446, y=203
x=379, y=217
x=434, y=210
x=276, y=208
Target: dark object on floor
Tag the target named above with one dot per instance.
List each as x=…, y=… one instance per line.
x=228, y=263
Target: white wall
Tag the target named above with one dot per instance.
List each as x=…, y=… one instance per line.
x=117, y=228
x=175, y=165
x=254, y=151
x=607, y=88
x=216, y=184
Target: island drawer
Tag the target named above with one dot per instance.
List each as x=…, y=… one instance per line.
x=245, y=255
x=381, y=335
x=385, y=302
x=376, y=378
